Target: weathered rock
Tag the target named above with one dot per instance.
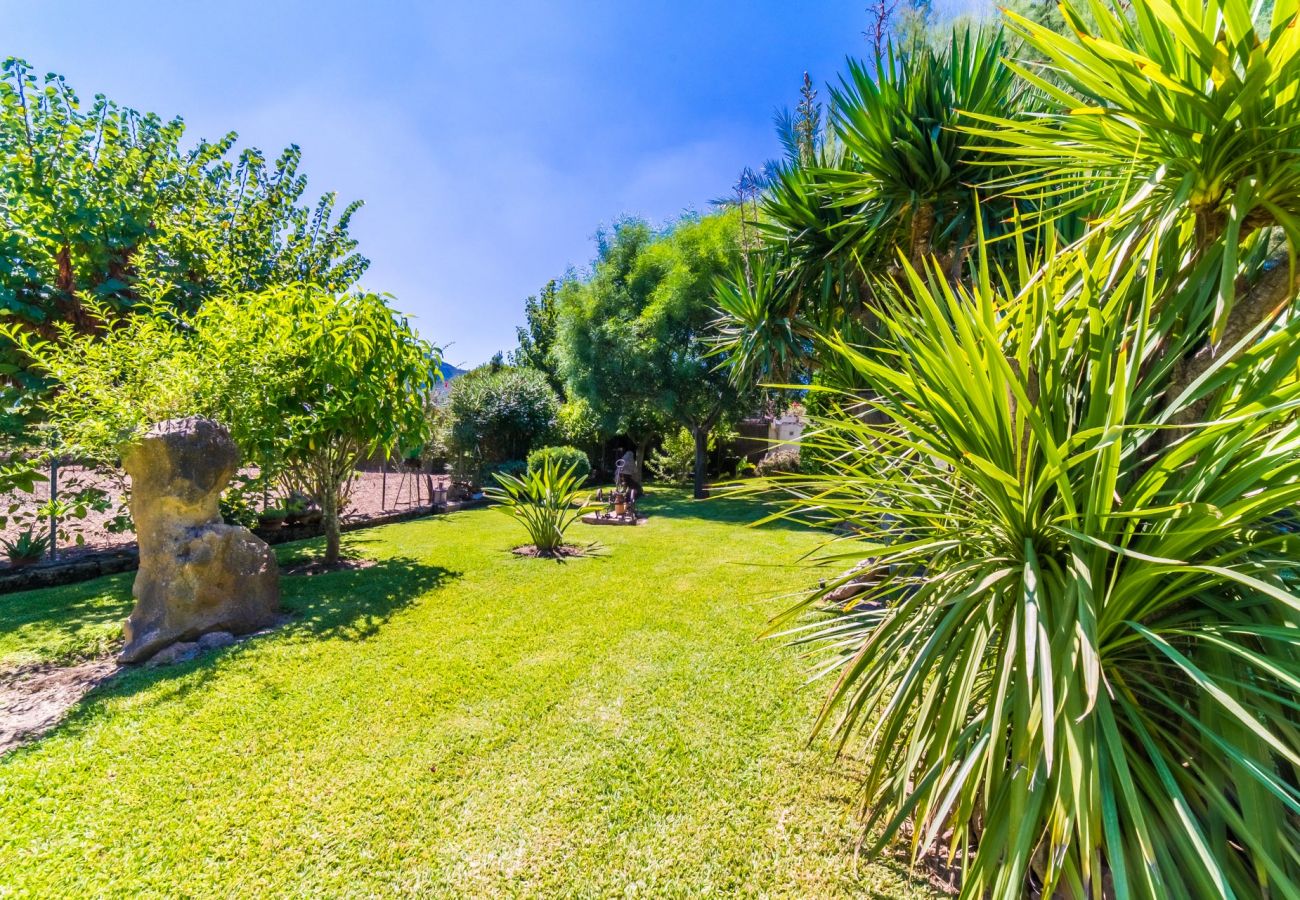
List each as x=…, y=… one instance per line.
x=214, y=640
x=176, y=653
x=196, y=574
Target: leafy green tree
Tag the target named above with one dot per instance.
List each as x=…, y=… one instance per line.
x=307, y=381
x=635, y=338
x=103, y=202
x=352, y=381
x=537, y=336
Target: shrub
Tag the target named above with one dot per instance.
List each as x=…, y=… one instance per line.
x=494, y=415
x=542, y=501
x=28, y=547
x=565, y=457
x=675, y=459
x=1078, y=632
x=779, y=461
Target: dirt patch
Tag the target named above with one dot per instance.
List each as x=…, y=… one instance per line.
x=34, y=699
x=564, y=552
x=319, y=567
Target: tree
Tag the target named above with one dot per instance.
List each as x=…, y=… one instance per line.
x=352, y=381
x=104, y=202
x=537, y=336
x=897, y=177
x=635, y=339
x=308, y=382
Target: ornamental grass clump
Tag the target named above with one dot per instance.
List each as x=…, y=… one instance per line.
x=543, y=500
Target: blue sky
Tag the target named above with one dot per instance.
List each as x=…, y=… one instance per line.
x=489, y=140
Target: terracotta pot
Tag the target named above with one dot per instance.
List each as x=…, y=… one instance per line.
x=620, y=509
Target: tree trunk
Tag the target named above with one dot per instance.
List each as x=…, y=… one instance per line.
x=329, y=504
x=1262, y=303
x=701, y=435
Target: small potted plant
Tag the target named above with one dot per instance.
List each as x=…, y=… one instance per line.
x=27, y=549
x=295, y=509
x=271, y=518
x=312, y=515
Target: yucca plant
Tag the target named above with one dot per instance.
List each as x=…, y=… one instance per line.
x=1070, y=643
x=1178, y=118
x=893, y=172
x=1073, y=664
x=543, y=500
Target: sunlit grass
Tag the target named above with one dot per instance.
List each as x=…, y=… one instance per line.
x=458, y=720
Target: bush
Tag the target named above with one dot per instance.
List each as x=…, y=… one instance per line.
x=674, y=461
x=564, y=457
x=542, y=500
x=28, y=547
x=498, y=415
x=780, y=461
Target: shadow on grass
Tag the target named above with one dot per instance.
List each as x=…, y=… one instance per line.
x=61, y=613
x=349, y=605
x=353, y=604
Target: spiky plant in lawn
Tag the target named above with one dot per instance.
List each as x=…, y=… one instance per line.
x=542, y=499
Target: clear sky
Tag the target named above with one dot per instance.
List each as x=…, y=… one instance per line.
x=489, y=140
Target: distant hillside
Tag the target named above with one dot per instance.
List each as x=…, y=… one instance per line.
x=449, y=371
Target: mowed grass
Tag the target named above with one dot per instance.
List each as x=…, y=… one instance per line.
x=454, y=721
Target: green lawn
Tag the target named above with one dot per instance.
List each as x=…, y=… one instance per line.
x=454, y=720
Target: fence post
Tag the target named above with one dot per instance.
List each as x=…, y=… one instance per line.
x=54, y=516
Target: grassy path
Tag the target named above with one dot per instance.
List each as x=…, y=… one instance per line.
x=452, y=721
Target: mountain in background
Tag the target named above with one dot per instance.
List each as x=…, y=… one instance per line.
x=449, y=371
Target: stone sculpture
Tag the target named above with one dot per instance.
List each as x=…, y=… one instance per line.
x=197, y=574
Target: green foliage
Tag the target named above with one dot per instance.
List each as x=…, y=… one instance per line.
x=1206, y=151
x=492, y=416
x=308, y=382
x=1059, y=623
x=897, y=178
x=564, y=458
x=1071, y=466
x=27, y=547
x=543, y=500
x=634, y=338
x=675, y=458
x=537, y=337
x=576, y=424
x=104, y=203
x=115, y=381
x=20, y=475
x=316, y=381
